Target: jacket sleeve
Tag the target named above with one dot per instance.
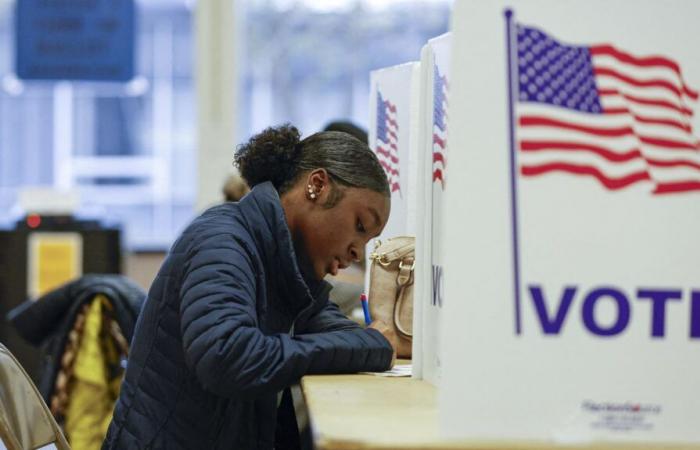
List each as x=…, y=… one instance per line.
x=328, y=319
x=227, y=351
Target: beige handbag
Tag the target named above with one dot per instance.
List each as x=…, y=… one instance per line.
x=391, y=288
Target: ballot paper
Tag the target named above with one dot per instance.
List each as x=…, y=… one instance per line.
x=399, y=370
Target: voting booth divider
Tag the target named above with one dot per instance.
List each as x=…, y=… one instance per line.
x=557, y=294
x=572, y=299
x=433, y=182
x=393, y=136
x=393, y=105
x=408, y=132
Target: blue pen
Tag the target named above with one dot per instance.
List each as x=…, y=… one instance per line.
x=365, y=309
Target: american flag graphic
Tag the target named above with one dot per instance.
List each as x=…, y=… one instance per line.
x=439, y=126
x=599, y=111
x=387, y=147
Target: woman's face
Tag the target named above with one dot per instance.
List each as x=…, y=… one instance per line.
x=335, y=237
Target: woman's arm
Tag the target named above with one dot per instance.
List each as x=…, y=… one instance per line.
x=330, y=318
x=226, y=350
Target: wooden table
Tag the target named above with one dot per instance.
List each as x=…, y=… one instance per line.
x=371, y=412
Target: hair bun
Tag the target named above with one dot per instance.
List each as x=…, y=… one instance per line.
x=269, y=156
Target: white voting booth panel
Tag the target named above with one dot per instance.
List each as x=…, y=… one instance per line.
x=393, y=136
x=572, y=285
x=393, y=105
x=432, y=182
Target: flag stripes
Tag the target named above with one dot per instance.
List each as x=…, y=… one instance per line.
x=386, y=146
x=603, y=113
x=440, y=86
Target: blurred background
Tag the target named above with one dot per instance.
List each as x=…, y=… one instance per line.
x=118, y=124
x=129, y=150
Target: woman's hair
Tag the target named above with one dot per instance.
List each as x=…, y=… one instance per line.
x=277, y=155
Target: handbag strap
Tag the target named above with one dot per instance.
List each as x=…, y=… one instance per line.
x=403, y=280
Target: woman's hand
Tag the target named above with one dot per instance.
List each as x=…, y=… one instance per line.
x=389, y=334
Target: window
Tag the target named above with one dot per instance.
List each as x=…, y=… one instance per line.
x=308, y=62
x=129, y=148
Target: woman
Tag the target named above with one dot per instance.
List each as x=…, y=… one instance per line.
x=239, y=310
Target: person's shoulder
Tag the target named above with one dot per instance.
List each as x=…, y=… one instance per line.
x=217, y=221
x=220, y=215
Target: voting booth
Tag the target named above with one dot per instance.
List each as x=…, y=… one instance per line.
x=433, y=181
x=393, y=123
x=393, y=136
x=571, y=309
x=408, y=132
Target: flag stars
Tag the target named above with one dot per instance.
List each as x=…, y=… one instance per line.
x=555, y=74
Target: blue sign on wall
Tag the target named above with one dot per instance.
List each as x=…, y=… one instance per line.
x=75, y=39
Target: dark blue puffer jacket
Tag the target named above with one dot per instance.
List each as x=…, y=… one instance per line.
x=229, y=322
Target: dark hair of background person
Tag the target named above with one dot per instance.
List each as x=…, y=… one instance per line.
x=279, y=156
x=349, y=128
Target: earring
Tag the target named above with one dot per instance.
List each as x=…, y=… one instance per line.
x=312, y=194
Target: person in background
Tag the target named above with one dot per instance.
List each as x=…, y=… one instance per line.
x=350, y=128
x=234, y=188
x=239, y=310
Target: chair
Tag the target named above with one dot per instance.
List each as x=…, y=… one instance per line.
x=25, y=420
x=83, y=329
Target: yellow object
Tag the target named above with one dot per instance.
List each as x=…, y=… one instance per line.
x=54, y=259
x=94, y=389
